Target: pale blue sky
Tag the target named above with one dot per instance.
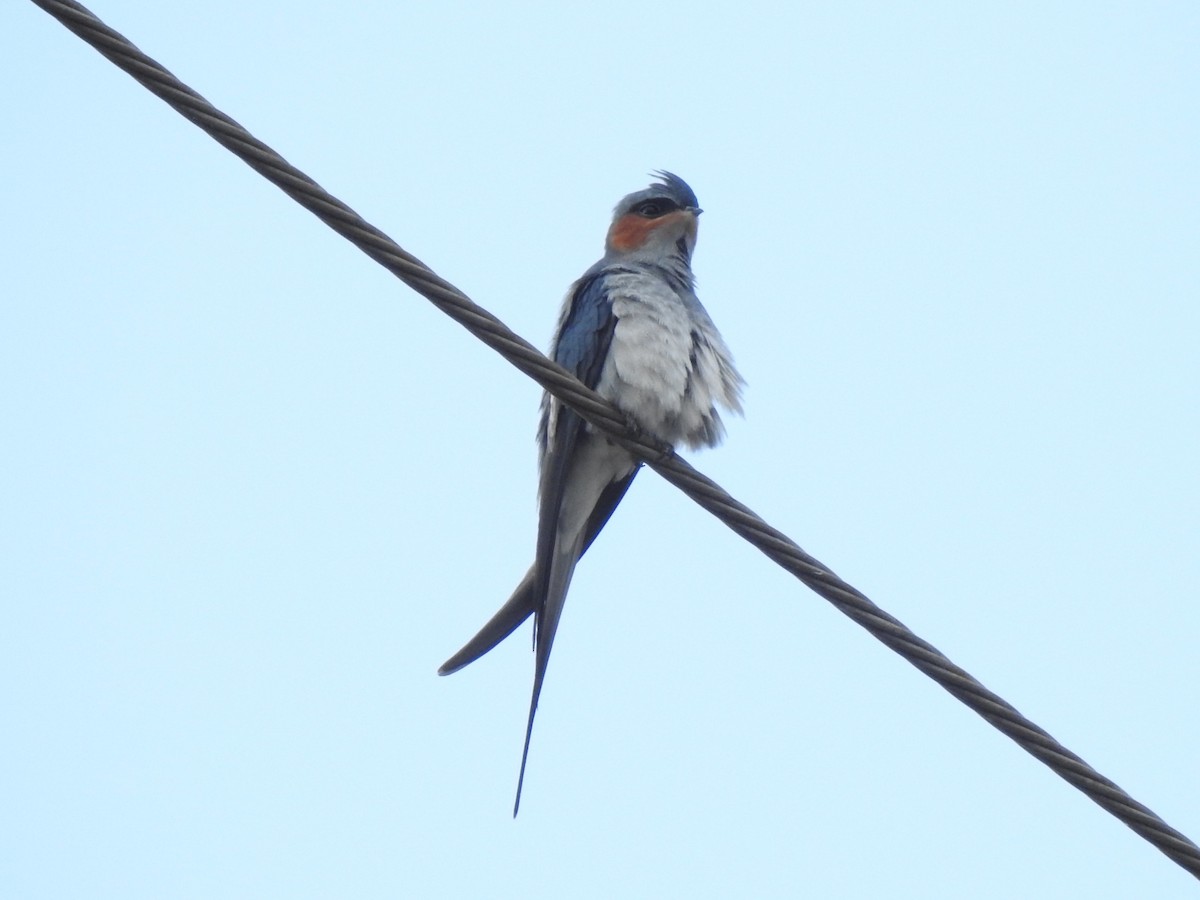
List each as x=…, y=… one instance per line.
x=254, y=490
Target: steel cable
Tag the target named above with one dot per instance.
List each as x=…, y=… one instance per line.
x=603, y=415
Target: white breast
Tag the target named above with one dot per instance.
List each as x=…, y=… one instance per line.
x=667, y=367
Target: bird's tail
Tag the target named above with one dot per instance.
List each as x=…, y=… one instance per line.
x=523, y=601
x=506, y=620
x=566, y=555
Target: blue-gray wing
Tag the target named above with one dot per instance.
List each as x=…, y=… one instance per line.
x=581, y=347
x=587, y=331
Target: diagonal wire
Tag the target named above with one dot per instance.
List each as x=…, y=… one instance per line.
x=558, y=381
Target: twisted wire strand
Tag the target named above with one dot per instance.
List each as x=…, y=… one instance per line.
x=661, y=457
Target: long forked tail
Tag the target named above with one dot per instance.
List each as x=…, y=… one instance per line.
x=506, y=620
x=523, y=601
x=537, y=690
x=562, y=567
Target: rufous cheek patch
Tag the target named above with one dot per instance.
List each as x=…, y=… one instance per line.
x=631, y=231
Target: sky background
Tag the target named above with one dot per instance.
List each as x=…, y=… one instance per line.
x=253, y=490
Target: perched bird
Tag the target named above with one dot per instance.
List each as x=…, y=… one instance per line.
x=633, y=330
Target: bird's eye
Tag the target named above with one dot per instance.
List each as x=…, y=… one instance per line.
x=652, y=209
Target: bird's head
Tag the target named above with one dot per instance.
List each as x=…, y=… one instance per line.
x=656, y=222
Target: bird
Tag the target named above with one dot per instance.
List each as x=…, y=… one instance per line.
x=632, y=329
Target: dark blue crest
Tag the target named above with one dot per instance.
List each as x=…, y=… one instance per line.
x=676, y=188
